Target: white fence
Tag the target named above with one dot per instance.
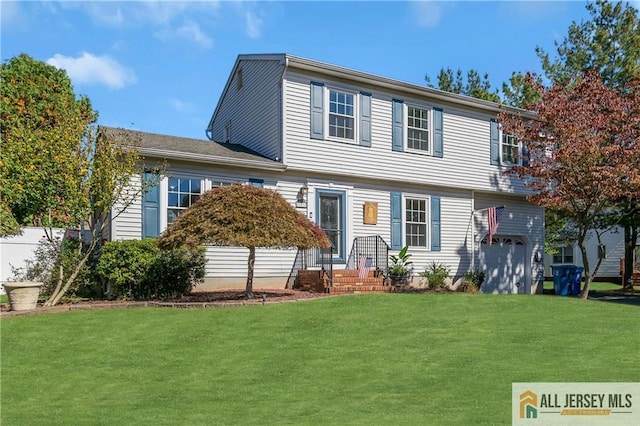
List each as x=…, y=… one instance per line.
x=14, y=251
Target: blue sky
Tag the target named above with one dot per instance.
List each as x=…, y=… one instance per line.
x=161, y=66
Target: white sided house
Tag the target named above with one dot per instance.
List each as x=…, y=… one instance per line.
x=377, y=163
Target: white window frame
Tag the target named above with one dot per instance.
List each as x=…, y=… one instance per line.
x=178, y=208
x=429, y=111
x=518, y=147
x=328, y=113
x=565, y=251
x=427, y=222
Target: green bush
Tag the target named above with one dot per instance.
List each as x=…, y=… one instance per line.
x=436, y=274
x=472, y=281
x=123, y=266
x=138, y=269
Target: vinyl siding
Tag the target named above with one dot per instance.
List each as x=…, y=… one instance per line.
x=610, y=267
x=128, y=224
x=253, y=111
x=466, y=144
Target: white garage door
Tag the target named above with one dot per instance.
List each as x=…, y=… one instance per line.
x=503, y=263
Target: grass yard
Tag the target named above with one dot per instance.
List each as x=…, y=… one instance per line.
x=375, y=359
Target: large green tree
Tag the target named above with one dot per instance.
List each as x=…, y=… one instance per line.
x=43, y=123
x=57, y=167
x=608, y=42
x=473, y=84
x=244, y=216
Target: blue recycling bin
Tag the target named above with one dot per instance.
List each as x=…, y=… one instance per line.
x=576, y=281
x=564, y=277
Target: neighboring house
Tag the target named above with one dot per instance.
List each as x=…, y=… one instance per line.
x=360, y=155
x=612, y=251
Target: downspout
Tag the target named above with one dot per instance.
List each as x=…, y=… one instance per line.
x=473, y=231
x=281, y=100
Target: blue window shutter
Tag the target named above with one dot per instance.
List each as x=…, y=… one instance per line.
x=396, y=220
x=150, y=209
x=365, y=119
x=397, y=136
x=525, y=155
x=317, y=110
x=258, y=183
x=435, y=223
x=437, y=132
x=495, y=143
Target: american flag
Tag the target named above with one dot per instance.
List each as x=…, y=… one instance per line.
x=363, y=267
x=494, y=220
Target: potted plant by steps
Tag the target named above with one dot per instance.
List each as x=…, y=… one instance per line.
x=22, y=295
x=400, y=271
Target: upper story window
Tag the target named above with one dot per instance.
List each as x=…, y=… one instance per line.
x=341, y=114
x=505, y=149
x=181, y=194
x=416, y=222
x=417, y=129
x=510, y=149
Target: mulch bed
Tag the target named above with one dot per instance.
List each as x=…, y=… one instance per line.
x=210, y=299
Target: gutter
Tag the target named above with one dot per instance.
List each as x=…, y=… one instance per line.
x=213, y=159
x=395, y=85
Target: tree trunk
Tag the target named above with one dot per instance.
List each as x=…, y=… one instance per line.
x=248, y=292
x=585, y=262
x=630, y=238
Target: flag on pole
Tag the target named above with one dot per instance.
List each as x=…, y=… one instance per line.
x=363, y=267
x=494, y=220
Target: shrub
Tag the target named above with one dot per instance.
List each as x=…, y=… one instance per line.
x=175, y=272
x=124, y=265
x=473, y=281
x=436, y=274
x=138, y=269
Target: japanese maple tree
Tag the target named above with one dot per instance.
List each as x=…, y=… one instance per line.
x=584, y=151
x=244, y=216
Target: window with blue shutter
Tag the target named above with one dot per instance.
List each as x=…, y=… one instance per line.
x=435, y=223
x=258, y=183
x=396, y=220
x=150, y=209
x=365, y=119
x=317, y=110
x=437, y=133
x=525, y=155
x=495, y=143
x=397, y=138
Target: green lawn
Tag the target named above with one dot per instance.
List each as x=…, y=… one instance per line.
x=375, y=359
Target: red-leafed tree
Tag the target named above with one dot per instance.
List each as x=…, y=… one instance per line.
x=584, y=151
x=244, y=216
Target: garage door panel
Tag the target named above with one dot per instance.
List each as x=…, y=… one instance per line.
x=504, y=265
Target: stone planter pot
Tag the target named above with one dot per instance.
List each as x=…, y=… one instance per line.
x=23, y=295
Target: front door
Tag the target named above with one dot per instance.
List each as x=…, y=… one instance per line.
x=331, y=218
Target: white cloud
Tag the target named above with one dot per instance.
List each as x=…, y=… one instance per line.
x=89, y=69
x=253, y=24
x=190, y=31
x=10, y=13
x=427, y=13
x=181, y=106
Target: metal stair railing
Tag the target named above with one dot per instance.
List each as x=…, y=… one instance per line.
x=314, y=258
x=373, y=246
